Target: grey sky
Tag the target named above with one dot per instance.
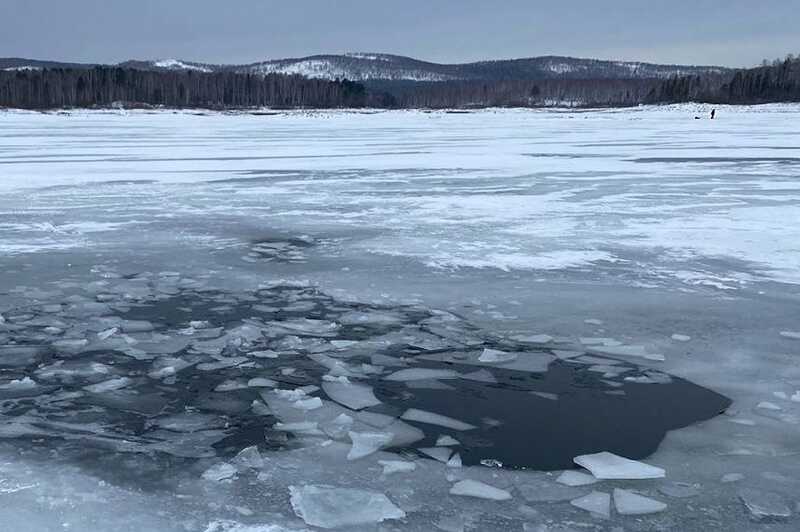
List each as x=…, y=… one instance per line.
x=724, y=32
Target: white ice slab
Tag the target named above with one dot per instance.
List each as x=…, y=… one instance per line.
x=607, y=465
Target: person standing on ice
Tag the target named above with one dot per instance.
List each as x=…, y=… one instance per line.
x=713, y=113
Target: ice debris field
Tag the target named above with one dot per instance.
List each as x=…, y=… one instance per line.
x=499, y=320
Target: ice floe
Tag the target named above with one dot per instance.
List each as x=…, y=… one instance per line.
x=630, y=503
x=480, y=490
x=597, y=503
x=334, y=507
x=605, y=465
x=421, y=416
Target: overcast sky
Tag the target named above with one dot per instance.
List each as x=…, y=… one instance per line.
x=723, y=32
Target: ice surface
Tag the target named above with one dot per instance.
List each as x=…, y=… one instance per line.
x=480, y=490
x=421, y=416
x=352, y=395
x=630, y=503
x=605, y=465
x=597, y=503
x=764, y=505
x=638, y=208
x=333, y=507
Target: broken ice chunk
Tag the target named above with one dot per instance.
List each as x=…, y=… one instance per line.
x=367, y=443
x=312, y=403
x=628, y=351
x=416, y=374
x=136, y=326
x=421, y=416
x=597, y=503
x=455, y=461
x=793, y=335
x=353, y=396
x=630, y=503
x=261, y=382
x=494, y=356
x=300, y=427
x=766, y=405
x=475, y=488
x=108, y=333
x=764, y=505
x=481, y=375
x=731, y=477
x=546, y=395
x=442, y=454
x=533, y=339
x=446, y=441
x=396, y=466
x=25, y=383
x=219, y=472
x=681, y=337
x=249, y=457
x=575, y=478
x=332, y=507
x=108, y=386
x=606, y=465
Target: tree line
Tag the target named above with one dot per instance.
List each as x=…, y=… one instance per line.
x=107, y=86
x=100, y=86
x=778, y=81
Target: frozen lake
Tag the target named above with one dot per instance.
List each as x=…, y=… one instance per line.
x=334, y=292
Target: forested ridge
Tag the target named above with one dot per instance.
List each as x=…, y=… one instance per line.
x=104, y=86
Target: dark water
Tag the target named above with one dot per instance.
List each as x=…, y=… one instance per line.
x=546, y=434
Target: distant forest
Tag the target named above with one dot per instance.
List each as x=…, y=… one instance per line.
x=100, y=86
x=107, y=86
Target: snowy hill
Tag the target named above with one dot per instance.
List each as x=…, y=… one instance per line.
x=385, y=67
x=378, y=67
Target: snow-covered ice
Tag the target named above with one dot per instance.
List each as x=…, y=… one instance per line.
x=142, y=342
